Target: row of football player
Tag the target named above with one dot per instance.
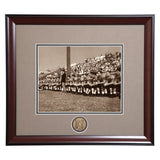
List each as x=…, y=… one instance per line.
x=100, y=89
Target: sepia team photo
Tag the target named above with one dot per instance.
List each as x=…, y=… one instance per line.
x=81, y=79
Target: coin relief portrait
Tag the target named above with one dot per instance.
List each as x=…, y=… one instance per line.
x=79, y=78
x=79, y=124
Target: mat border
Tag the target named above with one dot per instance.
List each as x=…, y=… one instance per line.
x=147, y=20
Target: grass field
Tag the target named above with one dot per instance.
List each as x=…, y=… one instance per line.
x=52, y=101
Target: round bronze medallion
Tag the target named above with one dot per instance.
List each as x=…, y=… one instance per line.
x=79, y=124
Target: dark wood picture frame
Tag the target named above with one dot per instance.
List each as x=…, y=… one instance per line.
x=146, y=20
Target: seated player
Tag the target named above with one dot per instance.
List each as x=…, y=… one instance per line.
x=110, y=85
x=99, y=83
x=117, y=83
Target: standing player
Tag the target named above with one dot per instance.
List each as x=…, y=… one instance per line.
x=63, y=80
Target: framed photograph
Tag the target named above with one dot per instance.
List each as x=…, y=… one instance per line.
x=80, y=79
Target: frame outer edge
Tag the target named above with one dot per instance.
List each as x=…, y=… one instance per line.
x=10, y=81
x=149, y=81
x=11, y=138
x=7, y=63
x=153, y=52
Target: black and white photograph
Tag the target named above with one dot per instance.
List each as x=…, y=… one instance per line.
x=79, y=78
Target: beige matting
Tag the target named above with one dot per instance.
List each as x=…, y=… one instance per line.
x=130, y=123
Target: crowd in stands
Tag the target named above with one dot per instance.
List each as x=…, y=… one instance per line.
x=98, y=76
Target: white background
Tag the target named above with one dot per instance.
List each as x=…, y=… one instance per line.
x=78, y=7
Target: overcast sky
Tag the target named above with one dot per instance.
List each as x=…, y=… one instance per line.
x=52, y=57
